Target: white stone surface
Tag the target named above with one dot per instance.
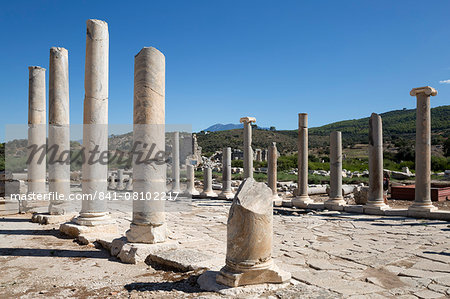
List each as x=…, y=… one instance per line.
x=58, y=129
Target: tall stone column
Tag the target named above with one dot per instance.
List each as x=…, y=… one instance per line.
x=95, y=125
x=226, y=174
x=36, y=138
x=58, y=129
x=422, y=202
x=375, y=198
x=207, y=183
x=149, y=217
x=302, y=199
x=272, y=173
x=176, y=162
x=190, y=190
x=248, y=152
x=336, y=199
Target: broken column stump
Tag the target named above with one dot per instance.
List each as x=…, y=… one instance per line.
x=249, y=239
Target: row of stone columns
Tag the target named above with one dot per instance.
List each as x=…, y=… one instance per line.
x=375, y=203
x=148, y=223
x=58, y=132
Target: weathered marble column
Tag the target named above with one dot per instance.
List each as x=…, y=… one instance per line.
x=226, y=174
x=375, y=197
x=249, y=239
x=176, y=162
x=95, y=126
x=58, y=129
x=190, y=190
x=149, y=217
x=422, y=202
x=207, y=183
x=120, y=180
x=36, y=138
x=248, y=152
x=336, y=199
x=272, y=173
x=302, y=199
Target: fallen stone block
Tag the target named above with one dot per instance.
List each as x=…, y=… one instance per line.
x=52, y=219
x=133, y=253
x=184, y=260
x=74, y=230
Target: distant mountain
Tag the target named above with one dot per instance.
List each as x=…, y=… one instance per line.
x=222, y=127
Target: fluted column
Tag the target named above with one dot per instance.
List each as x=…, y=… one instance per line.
x=36, y=162
x=58, y=129
x=422, y=201
x=272, y=173
x=336, y=198
x=226, y=174
x=95, y=125
x=248, y=152
x=302, y=199
x=176, y=162
x=375, y=197
x=149, y=217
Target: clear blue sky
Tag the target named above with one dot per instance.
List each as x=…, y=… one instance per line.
x=333, y=59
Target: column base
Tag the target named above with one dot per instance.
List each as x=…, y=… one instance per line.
x=226, y=195
x=33, y=206
x=147, y=233
x=277, y=201
x=376, y=208
x=421, y=210
x=93, y=219
x=334, y=203
x=56, y=209
x=175, y=190
x=190, y=193
x=267, y=273
x=302, y=201
x=211, y=194
x=419, y=207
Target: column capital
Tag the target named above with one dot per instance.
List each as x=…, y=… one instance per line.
x=247, y=119
x=427, y=90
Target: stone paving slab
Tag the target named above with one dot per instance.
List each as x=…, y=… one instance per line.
x=328, y=252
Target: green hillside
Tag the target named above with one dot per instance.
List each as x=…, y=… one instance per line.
x=398, y=127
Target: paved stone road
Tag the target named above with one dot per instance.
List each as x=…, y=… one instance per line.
x=329, y=254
